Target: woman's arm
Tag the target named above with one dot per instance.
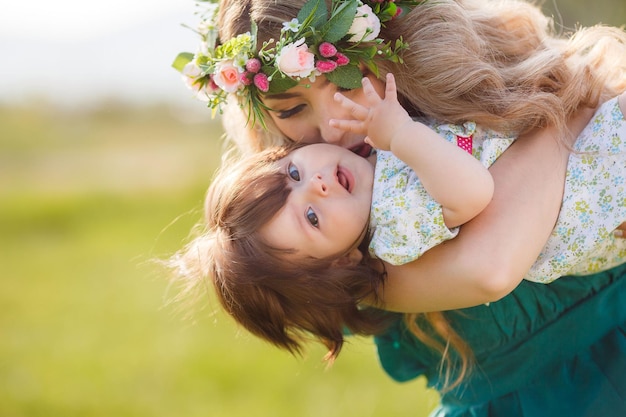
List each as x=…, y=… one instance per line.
x=493, y=251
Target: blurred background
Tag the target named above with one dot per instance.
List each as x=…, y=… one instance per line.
x=104, y=161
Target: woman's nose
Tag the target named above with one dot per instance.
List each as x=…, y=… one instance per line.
x=330, y=134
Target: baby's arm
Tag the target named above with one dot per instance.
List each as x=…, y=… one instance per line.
x=493, y=251
x=453, y=177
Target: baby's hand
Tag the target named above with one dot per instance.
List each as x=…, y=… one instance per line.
x=380, y=119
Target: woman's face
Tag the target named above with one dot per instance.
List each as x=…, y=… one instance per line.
x=302, y=113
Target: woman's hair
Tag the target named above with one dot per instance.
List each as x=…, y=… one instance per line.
x=499, y=63
x=282, y=301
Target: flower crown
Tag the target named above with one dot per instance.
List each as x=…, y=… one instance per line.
x=317, y=42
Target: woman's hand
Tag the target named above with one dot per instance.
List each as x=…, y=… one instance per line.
x=620, y=231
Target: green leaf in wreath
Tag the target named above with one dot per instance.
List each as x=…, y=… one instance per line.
x=347, y=76
x=181, y=60
x=281, y=83
x=340, y=22
x=314, y=13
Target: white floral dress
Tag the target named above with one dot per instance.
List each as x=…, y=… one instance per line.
x=406, y=221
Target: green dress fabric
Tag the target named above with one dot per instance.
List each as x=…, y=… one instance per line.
x=556, y=350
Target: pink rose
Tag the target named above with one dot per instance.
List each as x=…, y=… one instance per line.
x=365, y=26
x=295, y=60
x=227, y=76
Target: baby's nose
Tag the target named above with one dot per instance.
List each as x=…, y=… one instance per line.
x=319, y=185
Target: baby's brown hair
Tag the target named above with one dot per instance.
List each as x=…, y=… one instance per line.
x=281, y=300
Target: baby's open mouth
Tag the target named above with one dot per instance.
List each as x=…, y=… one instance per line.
x=344, y=179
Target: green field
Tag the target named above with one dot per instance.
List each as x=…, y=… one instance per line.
x=89, y=199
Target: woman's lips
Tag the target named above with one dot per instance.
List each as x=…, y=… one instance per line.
x=363, y=150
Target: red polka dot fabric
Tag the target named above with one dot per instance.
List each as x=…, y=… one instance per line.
x=464, y=143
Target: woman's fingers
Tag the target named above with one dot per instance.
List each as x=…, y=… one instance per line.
x=620, y=231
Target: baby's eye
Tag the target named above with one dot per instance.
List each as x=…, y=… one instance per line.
x=312, y=217
x=286, y=114
x=292, y=172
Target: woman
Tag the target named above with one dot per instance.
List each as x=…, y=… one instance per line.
x=498, y=46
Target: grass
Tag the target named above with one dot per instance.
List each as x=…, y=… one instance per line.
x=89, y=198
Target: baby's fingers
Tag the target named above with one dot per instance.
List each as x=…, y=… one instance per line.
x=391, y=91
x=356, y=110
x=354, y=126
x=370, y=93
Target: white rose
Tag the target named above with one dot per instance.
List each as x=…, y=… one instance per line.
x=192, y=75
x=364, y=20
x=191, y=70
x=295, y=60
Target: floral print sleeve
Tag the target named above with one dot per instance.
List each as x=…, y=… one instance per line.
x=594, y=203
x=405, y=220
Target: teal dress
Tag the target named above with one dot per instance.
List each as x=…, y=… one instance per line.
x=556, y=350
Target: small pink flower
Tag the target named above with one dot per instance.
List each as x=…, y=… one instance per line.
x=246, y=78
x=211, y=84
x=326, y=66
x=253, y=65
x=398, y=13
x=261, y=82
x=327, y=50
x=341, y=59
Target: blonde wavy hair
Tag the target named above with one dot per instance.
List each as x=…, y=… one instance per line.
x=500, y=63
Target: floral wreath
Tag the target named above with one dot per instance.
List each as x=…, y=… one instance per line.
x=317, y=42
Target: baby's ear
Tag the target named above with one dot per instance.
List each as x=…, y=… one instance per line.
x=351, y=258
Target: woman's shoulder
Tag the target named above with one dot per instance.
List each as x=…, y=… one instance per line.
x=606, y=131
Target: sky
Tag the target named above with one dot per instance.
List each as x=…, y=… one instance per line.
x=75, y=51
x=71, y=52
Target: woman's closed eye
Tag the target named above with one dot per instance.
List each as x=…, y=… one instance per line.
x=311, y=217
x=286, y=114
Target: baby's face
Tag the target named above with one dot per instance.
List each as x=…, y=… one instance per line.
x=327, y=212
